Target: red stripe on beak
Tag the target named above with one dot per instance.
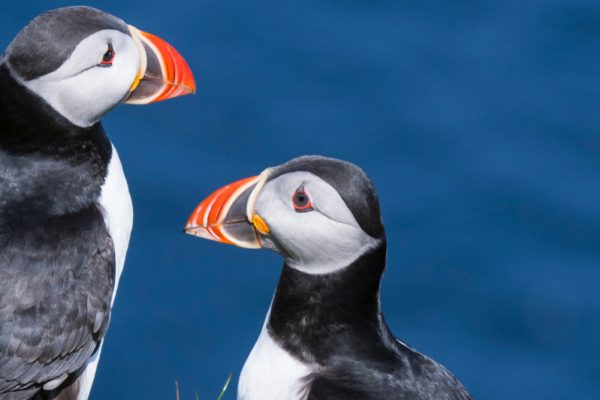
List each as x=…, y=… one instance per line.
x=163, y=73
x=211, y=218
x=178, y=76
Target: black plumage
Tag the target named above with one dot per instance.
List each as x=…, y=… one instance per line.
x=57, y=262
x=334, y=320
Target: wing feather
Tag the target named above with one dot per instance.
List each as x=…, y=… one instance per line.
x=56, y=283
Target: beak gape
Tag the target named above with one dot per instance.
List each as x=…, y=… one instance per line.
x=228, y=215
x=163, y=72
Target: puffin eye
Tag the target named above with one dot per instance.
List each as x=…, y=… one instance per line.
x=108, y=57
x=301, y=201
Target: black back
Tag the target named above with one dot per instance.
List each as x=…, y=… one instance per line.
x=50, y=38
x=350, y=181
x=57, y=262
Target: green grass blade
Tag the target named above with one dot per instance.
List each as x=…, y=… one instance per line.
x=224, y=387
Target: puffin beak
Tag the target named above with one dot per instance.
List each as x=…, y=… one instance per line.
x=228, y=215
x=163, y=73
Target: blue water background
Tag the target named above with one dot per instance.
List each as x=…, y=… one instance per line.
x=479, y=123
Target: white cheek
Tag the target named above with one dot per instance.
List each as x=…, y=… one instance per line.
x=318, y=245
x=82, y=95
x=311, y=241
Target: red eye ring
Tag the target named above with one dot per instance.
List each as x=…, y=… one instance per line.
x=301, y=201
x=108, y=57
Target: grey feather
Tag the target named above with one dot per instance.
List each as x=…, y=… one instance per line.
x=60, y=318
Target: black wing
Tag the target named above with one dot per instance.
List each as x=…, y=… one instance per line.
x=412, y=377
x=56, y=284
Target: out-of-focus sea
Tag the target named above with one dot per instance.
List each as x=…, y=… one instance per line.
x=479, y=123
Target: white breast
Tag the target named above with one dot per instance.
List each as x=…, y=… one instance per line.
x=117, y=210
x=271, y=373
x=87, y=377
x=115, y=203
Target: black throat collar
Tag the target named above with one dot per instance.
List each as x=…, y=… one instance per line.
x=49, y=165
x=316, y=317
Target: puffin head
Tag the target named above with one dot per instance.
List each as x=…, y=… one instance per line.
x=319, y=213
x=83, y=62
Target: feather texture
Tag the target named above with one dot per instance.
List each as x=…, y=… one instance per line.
x=57, y=259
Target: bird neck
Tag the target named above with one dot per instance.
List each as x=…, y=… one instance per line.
x=311, y=314
x=48, y=165
x=29, y=125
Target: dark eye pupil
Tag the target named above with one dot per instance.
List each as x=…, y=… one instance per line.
x=301, y=199
x=108, y=56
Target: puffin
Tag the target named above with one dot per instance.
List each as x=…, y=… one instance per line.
x=65, y=209
x=324, y=336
